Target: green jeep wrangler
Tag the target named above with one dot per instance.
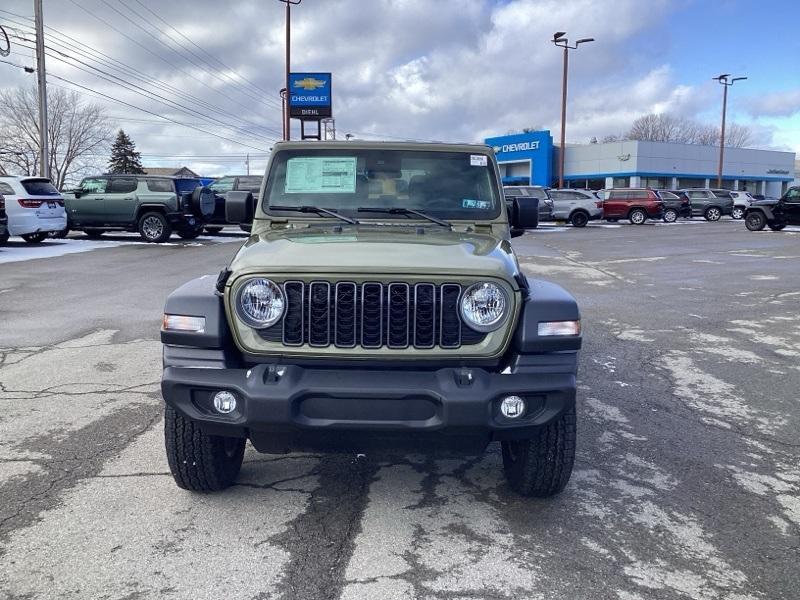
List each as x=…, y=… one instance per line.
x=153, y=206
x=377, y=304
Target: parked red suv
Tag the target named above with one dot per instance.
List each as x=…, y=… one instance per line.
x=636, y=205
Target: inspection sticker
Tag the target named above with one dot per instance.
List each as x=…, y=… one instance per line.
x=321, y=175
x=478, y=160
x=479, y=204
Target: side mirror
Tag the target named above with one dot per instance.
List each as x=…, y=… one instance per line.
x=239, y=207
x=523, y=213
x=77, y=193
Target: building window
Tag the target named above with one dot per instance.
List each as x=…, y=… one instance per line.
x=621, y=182
x=657, y=183
x=691, y=182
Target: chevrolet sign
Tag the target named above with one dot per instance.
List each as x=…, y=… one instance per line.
x=310, y=96
x=518, y=147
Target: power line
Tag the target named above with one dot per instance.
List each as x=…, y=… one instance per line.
x=83, y=87
x=262, y=95
x=147, y=80
x=104, y=75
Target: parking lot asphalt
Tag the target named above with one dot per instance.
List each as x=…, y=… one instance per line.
x=686, y=484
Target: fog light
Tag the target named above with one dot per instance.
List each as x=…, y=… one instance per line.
x=224, y=402
x=512, y=407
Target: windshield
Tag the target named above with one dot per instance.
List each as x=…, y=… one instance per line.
x=449, y=185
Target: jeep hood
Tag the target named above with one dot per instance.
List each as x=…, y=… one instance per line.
x=376, y=250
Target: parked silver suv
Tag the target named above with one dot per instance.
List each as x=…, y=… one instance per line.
x=575, y=206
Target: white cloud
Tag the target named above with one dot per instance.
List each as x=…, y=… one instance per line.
x=444, y=70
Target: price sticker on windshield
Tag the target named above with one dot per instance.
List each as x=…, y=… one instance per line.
x=478, y=160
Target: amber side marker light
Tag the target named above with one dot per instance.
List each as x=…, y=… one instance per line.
x=183, y=323
x=558, y=328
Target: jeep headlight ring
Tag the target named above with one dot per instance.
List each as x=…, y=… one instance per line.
x=484, y=306
x=260, y=303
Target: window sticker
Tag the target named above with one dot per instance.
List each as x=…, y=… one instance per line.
x=478, y=204
x=321, y=175
x=478, y=160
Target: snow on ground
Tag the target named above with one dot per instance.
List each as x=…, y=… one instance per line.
x=17, y=250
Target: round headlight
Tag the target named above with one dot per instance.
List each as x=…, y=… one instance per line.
x=260, y=303
x=484, y=306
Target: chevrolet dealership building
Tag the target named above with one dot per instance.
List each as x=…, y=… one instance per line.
x=531, y=158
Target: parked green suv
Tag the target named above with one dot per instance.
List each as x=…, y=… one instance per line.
x=153, y=206
x=378, y=303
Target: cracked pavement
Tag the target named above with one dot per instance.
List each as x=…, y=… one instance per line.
x=686, y=482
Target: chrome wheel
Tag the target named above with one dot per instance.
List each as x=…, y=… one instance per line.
x=737, y=213
x=713, y=214
x=637, y=217
x=670, y=216
x=152, y=227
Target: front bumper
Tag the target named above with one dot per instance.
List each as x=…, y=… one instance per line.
x=290, y=407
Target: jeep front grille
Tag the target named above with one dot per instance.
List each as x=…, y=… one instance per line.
x=372, y=315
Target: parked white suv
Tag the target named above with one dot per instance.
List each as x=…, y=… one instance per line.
x=34, y=207
x=741, y=202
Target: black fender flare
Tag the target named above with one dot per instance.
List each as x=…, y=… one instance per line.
x=766, y=210
x=152, y=207
x=199, y=298
x=546, y=301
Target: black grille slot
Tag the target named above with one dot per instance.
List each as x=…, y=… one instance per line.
x=399, y=315
x=345, y=314
x=424, y=315
x=450, y=331
x=293, y=319
x=372, y=315
x=319, y=313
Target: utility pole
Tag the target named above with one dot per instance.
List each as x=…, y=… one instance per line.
x=562, y=42
x=287, y=118
x=44, y=151
x=247, y=162
x=723, y=80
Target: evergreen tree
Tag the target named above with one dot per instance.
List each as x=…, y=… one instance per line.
x=124, y=157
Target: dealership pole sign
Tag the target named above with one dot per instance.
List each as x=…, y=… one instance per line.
x=310, y=96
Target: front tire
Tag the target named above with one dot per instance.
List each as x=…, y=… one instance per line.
x=154, y=228
x=670, y=215
x=541, y=466
x=637, y=216
x=713, y=214
x=198, y=461
x=755, y=221
x=738, y=213
x=579, y=219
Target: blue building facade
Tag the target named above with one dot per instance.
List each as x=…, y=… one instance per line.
x=524, y=158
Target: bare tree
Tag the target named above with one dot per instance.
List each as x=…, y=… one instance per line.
x=738, y=136
x=78, y=133
x=667, y=128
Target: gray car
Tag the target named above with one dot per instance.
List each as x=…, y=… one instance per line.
x=575, y=206
x=710, y=204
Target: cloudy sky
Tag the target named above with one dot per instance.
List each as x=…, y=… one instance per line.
x=411, y=69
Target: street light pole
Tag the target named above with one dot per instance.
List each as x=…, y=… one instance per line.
x=562, y=42
x=723, y=80
x=286, y=117
x=44, y=151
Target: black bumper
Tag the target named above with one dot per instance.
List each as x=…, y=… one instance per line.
x=290, y=407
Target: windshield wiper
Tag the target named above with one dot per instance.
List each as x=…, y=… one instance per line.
x=317, y=210
x=400, y=210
